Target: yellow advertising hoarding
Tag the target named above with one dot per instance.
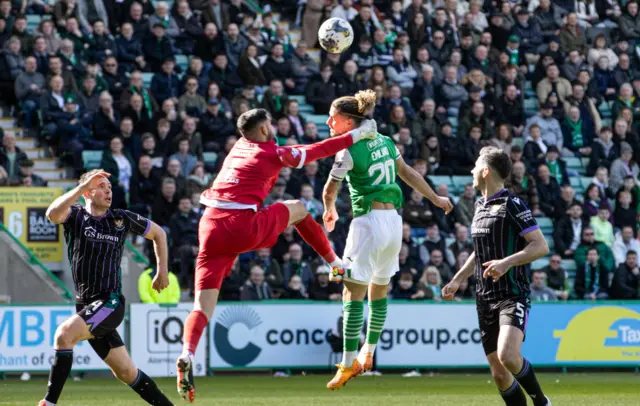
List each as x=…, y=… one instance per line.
x=22, y=211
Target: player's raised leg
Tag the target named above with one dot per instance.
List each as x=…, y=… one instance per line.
x=125, y=370
x=509, y=345
x=68, y=334
x=311, y=232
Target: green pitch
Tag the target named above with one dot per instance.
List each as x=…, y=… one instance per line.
x=620, y=389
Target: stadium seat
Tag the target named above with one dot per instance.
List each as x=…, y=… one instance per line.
x=210, y=158
x=569, y=265
x=459, y=183
x=439, y=180
x=586, y=181
x=539, y=263
x=183, y=62
x=316, y=118
x=576, y=184
x=146, y=79
x=299, y=98
x=546, y=224
x=91, y=159
x=573, y=163
x=519, y=141
x=33, y=21
x=454, y=122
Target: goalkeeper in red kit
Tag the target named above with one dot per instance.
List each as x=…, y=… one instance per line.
x=235, y=222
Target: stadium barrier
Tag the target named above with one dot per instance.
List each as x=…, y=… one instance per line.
x=294, y=335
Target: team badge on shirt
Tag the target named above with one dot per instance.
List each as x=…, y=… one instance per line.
x=119, y=224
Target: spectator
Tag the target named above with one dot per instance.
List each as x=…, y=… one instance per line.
x=426, y=122
x=417, y=212
x=401, y=73
x=166, y=204
x=137, y=87
x=602, y=226
x=601, y=179
x=572, y=37
x=322, y=289
x=296, y=265
x=452, y=93
x=625, y=243
x=191, y=103
x=216, y=125
x=604, y=79
x=187, y=160
x=548, y=190
x=183, y=228
x=25, y=175
x=429, y=286
x=273, y=275
x=523, y=186
x=539, y=290
x=624, y=131
x=626, y=279
x=348, y=82
x=528, y=31
x=593, y=200
x=603, y=151
x=557, y=278
x=623, y=166
x=256, y=288
x=601, y=49
x=477, y=118
x=89, y=11
x=510, y=109
x=589, y=241
x=465, y=208
x=553, y=83
x=592, y=279
x=275, y=99
x=577, y=135
x=294, y=289
x=148, y=295
x=461, y=242
x=624, y=214
x=189, y=27
x=10, y=155
x=143, y=186
x=550, y=131
x=166, y=84
x=322, y=90
x=557, y=167
x=129, y=49
x=209, y=44
x=157, y=47
x=119, y=163
x=234, y=45
x=404, y=288
x=567, y=231
x=535, y=148
x=629, y=23
x=29, y=88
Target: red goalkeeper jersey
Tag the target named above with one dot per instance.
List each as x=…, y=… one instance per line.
x=252, y=168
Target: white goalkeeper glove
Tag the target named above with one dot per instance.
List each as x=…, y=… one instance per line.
x=368, y=130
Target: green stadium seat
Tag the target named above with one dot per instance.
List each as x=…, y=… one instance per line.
x=585, y=161
x=573, y=163
x=569, y=265
x=306, y=108
x=539, y=263
x=300, y=99
x=519, y=141
x=33, y=20
x=454, y=122
x=210, y=158
x=439, y=180
x=586, y=181
x=459, y=183
x=182, y=61
x=146, y=79
x=316, y=118
x=546, y=224
x=576, y=183
x=91, y=159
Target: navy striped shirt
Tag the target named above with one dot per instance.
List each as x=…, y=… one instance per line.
x=498, y=230
x=95, y=247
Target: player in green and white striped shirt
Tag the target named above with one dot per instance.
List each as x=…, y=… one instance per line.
x=375, y=236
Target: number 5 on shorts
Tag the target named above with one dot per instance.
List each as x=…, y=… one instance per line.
x=520, y=312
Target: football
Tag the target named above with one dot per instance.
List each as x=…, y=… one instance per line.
x=335, y=35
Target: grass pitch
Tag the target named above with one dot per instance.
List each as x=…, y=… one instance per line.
x=606, y=389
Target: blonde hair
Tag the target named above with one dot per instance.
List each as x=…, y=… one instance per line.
x=358, y=107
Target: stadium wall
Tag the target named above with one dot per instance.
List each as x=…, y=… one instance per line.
x=294, y=335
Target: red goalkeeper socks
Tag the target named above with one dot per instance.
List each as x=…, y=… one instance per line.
x=194, y=326
x=313, y=234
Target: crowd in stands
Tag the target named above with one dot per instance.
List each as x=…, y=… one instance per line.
x=552, y=83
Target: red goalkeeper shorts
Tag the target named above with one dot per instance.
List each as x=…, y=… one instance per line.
x=224, y=234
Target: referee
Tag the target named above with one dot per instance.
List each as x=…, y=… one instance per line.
x=96, y=236
x=506, y=239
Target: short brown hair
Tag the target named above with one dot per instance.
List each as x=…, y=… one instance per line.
x=497, y=160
